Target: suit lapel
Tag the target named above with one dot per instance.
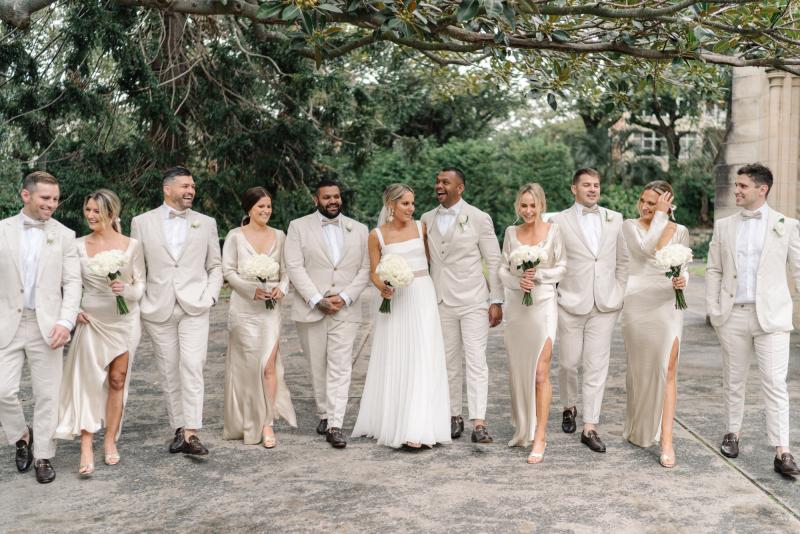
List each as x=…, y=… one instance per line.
x=347, y=238
x=769, y=239
x=44, y=252
x=158, y=222
x=733, y=226
x=604, y=224
x=191, y=219
x=12, y=232
x=572, y=219
x=434, y=235
x=315, y=226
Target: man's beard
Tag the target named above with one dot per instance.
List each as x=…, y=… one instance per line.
x=322, y=211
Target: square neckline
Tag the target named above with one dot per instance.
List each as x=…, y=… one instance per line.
x=384, y=244
x=537, y=244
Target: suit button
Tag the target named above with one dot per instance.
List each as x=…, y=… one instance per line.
x=731, y=295
x=333, y=285
x=19, y=310
x=22, y=291
x=334, y=268
x=176, y=265
x=734, y=276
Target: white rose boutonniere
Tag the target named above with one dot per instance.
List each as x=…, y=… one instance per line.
x=463, y=220
x=778, y=228
x=51, y=238
x=609, y=216
x=348, y=226
x=195, y=225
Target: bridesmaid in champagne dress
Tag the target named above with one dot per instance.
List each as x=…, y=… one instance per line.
x=255, y=392
x=94, y=388
x=531, y=330
x=651, y=326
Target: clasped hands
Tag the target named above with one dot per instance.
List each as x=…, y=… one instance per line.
x=526, y=282
x=268, y=294
x=330, y=305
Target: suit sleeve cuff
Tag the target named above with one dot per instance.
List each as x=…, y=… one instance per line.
x=66, y=324
x=313, y=301
x=497, y=301
x=347, y=300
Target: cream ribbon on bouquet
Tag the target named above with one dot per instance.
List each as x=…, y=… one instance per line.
x=263, y=267
x=527, y=257
x=108, y=264
x=394, y=271
x=673, y=258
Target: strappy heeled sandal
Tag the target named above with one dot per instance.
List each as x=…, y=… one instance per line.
x=537, y=457
x=269, y=442
x=112, y=458
x=667, y=461
x=85, y=470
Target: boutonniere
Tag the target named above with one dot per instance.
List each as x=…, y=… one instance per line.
x=463, y=220
x=195, y=225
x=51, y=238
x=609, y=216
x=778, y=228
x=348, y=226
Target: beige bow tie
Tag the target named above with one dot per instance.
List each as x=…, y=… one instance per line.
x=39, y=225
x=747, y=214
x=326, y=222
x=446, y=211
x=593, y=209
x=173, y=214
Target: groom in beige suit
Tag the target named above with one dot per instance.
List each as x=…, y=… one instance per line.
x=326, y=258
x=41, y=292
x=184, y=276
x=749, y=305
x=461, y=240
x=589, y=302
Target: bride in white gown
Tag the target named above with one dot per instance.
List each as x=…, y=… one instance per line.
x=405, y=401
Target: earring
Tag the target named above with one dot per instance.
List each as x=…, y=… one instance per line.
x=390, y=218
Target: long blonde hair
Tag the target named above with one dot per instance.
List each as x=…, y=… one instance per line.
x=109, y=205
x=537, y=193
x=392, y=194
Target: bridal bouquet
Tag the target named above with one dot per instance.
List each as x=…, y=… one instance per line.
x=527, y=257
x=108, y=264
x=673, y=258
x=263, y=267
x=393, y=270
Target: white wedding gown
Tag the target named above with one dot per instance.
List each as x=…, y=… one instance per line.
x=406, y=396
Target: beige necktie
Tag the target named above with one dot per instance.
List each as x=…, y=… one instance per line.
x=747, y=214
x=593, y=209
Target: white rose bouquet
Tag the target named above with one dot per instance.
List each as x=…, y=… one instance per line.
x=394, y=271
x=108, y=264
x=262, y=267
x=673, y=258
x=527, y=257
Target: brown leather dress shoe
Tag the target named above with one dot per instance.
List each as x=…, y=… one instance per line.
x=785, y=465
x=45, y=472
x=481, y=435
x=593, y=441
x=24, y=456
x=177, y=442
x=335, y=438
x=322, y=427
x=194, y=447
x=456, y=426
x=568, y=420
x=730, y=445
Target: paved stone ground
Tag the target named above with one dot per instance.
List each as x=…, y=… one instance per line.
x=305, y=485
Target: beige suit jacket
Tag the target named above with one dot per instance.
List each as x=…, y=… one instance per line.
x=592, y=280
x=193, y=279
x=311, y=269
x=457, y=258
x=58, y=282
x=773, y=300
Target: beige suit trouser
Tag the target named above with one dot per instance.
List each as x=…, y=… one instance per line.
x=740, y=337
x=181, y=345
x=46, y=367
x=584, y=340
x=328, y=344
x=465, y=330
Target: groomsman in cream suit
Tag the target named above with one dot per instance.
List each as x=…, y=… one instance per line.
x=461, y=240
x=41, y=292
x=748, y=302
x=326, y=258
x=589, y=302
x=184, y=276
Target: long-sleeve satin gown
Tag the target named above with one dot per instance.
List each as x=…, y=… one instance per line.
x=254, y=331
x=84, y=386
x=406, y=394
x=650, y=327
x=528, y=328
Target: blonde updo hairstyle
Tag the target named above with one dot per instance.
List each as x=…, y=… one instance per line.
x=660, y=187
x=391, y=195
x=537, y=193
x=109, y=206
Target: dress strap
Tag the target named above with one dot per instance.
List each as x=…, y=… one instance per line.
x=419, y=229
x=380, y=236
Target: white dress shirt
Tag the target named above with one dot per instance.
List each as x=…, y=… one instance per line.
x=750, y=237
x=591, y=226
x=175, y=229
x=445, y=217
x=334, y=238
x=30, y=250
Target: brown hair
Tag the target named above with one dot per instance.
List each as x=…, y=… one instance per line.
x=537, y=193
x=250, y=198
x=109, y=205
x=581, y=172
x=660, y=187
x=38, y=177
x=760, y=174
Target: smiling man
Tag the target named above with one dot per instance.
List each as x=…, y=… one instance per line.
x=184, y=276
x=41, y=285
x=750, y=307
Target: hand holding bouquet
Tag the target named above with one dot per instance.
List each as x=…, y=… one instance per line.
x=262, y=267
x=108, y=264
x=673, y=258
x=393, y=270
x=527, y=257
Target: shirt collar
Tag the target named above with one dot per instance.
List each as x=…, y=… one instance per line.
x=456, y=208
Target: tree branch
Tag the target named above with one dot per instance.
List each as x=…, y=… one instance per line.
x=18, y=12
